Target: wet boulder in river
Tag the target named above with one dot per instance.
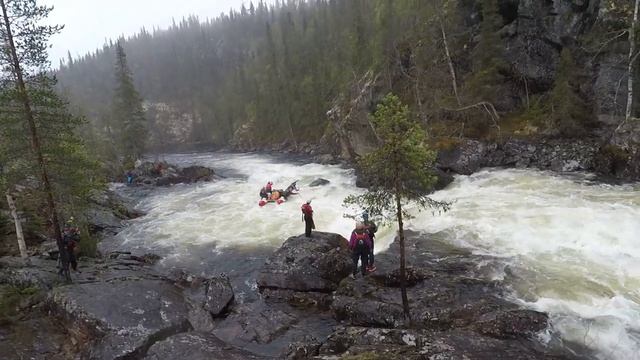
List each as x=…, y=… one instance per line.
x=319, y=182
x=308, y=264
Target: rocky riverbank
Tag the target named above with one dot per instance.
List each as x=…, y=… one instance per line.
x=120, y=307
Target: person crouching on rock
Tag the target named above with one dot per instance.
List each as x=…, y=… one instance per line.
x=307, y=217
x=360, y=245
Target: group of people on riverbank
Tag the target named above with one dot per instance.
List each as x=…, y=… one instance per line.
x=361, y=241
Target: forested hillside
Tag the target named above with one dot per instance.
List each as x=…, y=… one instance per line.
x=476, y=68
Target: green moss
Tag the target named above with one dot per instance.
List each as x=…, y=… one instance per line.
x=617, y=155
x=10, y=298
x=446, y=143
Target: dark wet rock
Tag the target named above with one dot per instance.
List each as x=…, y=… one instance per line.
x=36, y=337
x=470, y=156
x=620, y=157
x=444, y=293
x=196, y=346
x=319, y=182
x=420, y=344
x=315, y=264
x=515, y=323
x=248, y=325
x=444, y=179
x=197, y=173
x=307, y=299
x=164, y=174
x=108, y=211
x=305, y=348
x=124, y=317
x=465, y=158
x=326, y=159
x=119, y=307
x=38, y=273
x=268, y=328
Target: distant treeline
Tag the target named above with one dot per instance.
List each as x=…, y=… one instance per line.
x=277, y=70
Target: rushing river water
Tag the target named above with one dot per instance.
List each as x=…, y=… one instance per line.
x=570, y=247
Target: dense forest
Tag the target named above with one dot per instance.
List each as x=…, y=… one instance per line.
x=269, y=74
x=298, y=72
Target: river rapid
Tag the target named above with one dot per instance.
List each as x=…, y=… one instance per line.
x=568, y=246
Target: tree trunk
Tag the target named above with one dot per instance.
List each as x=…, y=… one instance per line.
x=35, y=141
x=14, y=213
x=452, y=70
x=403, y=271
x=632, y=50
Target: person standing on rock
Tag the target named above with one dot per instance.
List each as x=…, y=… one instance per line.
x=370, y=228
x=307, y=217
x=70, y=239
x=360, y=245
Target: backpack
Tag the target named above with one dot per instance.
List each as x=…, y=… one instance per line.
x=306, y=209
x=360, y=239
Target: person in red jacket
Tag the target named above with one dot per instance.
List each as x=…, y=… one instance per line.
x=360, y=245
x=307, y=217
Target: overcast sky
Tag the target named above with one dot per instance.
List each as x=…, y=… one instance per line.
x=89, y=22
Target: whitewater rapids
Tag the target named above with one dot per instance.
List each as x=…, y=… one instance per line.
x=570, y=247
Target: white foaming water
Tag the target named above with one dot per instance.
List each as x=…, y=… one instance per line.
x=571, y=248
x=225, y=213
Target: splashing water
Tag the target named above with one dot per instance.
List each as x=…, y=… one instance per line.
x=570, y=247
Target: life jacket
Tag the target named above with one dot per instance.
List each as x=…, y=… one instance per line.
x=307, y=210
x=360, y=238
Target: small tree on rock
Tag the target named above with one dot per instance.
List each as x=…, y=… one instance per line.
x=400, y=171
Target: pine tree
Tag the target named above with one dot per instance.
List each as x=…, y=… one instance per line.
x=568, y=112
x=129, y=123
x=41, y=152
x=401, y=170
x=487, y=56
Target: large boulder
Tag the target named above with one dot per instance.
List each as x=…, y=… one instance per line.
x=315, y=264
x=196, y=346
x=319, y=182
x=465, y=158
x=123, y=316
x=164, y=174
x=445, y=291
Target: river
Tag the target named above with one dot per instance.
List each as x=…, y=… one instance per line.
x=568, y=246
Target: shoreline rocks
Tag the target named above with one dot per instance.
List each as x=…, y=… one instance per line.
x=310, y=308
x=164, y=174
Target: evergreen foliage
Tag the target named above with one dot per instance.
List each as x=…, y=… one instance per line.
x=487, y=56
x=128, y=121
x=269, y=73
x=28, y=97
x=568, y=111
x=401, y=170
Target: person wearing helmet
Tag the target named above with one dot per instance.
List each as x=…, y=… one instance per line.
x=70, y=240
x=370, y=228
x=360, y=245
x=265, y=192
x=307, y=217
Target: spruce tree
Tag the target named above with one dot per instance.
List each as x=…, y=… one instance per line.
x=41, y=153
x=129, y=123
x=401, y=172
x=487, y=56
x=568, y=111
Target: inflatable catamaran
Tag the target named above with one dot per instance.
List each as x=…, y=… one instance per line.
x=278, y=196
